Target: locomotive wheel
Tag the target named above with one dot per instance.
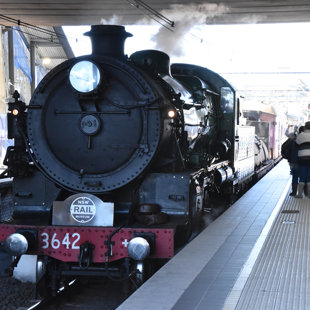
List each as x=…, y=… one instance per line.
x=49, y=282
x=42, y=288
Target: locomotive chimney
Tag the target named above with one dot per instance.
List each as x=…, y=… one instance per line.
x=108, y=40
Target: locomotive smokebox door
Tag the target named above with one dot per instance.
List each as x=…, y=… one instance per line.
x=83, y=210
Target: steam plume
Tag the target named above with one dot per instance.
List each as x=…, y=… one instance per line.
x=185, y=17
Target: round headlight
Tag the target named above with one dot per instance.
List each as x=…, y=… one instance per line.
x=84, y=76
x=138, y=248
x=16, y=244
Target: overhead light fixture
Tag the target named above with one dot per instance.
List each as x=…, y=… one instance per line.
x=46, y=61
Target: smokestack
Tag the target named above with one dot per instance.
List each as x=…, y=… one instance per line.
x=108, y=40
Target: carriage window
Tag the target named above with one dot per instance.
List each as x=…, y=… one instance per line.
x=84, y=76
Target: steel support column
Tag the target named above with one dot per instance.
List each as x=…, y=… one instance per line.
x=33, y=65
x=11, y=61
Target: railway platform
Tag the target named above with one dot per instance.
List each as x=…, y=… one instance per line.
x=254, y=256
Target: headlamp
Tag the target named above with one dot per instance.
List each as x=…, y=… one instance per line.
x=138, y=248
x=16, y=244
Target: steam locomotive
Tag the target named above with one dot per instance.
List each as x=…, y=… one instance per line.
x=116, y=159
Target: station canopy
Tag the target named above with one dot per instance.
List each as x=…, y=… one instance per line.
x=50, y=15
x=90, y=12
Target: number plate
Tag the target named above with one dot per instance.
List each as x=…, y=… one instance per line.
x=70, y=241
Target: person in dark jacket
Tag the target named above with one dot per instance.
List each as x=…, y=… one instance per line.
x=303, y=142
x=291, y=149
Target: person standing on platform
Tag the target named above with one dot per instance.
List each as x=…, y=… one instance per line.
x=288, y=130
x=289, y=151
x=303, y=142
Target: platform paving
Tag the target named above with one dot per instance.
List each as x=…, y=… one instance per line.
x=212, y=271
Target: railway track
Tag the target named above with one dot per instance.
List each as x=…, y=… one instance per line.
x=51, y=301
x=102, y=294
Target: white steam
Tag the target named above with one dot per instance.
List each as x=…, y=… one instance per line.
x=26, y=269
x=114, y=20
x=185, y=17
